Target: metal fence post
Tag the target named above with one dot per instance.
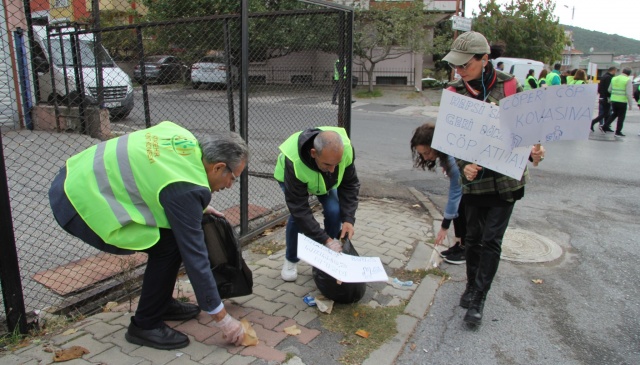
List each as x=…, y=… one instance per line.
x=9, y=269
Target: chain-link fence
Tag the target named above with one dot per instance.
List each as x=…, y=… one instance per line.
x=85, y=73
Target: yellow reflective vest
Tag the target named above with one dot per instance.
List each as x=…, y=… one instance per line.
x=313, y=179
x=619, y=88
x=115, y=185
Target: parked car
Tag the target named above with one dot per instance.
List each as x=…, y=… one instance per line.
x=211, y=70
x=160, y=69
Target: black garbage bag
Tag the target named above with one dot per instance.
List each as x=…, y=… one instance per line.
x=233, y=276
x=344, y=292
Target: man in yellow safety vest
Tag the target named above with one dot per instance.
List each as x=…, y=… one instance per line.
x=621, y=99
x=147, y=191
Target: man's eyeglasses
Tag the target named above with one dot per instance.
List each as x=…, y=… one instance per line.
x=233, y=176
x=464, y=67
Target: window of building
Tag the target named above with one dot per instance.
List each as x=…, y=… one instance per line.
x=60, y=3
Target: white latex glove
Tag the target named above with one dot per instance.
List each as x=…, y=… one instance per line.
x=334, y=245
x=231, y=328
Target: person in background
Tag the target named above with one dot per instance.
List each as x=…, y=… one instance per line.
x=580, y=77
x=621, y=98
x=571, y=76
x=604, y=104
x=317, y=161
x=542, y=78
x=553, y=77
x=531, y=82
x=147, y=191
x=500, y=66
x=339, y=76
x=489, y=196
x=425, y=156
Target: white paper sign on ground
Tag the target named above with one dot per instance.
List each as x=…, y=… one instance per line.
x=346, y=268
x=550, y=114
x=470, y=130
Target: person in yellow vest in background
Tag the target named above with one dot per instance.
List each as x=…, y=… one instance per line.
x=542, y=78
x=531, y=82
x=338, y=79
x=579, y=78
x=147, y=192
x=317, y=161
x=621, y=99
x=571, y=77
x=553, y=77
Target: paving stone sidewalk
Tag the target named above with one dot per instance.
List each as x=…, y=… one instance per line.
x=394, y=230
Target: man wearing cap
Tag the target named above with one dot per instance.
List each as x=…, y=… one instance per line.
x=489, y=196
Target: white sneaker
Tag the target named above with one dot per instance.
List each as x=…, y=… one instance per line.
x=289, y=270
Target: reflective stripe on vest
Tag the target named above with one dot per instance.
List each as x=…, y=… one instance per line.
x=619, y=88
x=115, y=185
x=312, y=178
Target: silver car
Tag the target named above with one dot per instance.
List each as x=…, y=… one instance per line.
x=211, y=70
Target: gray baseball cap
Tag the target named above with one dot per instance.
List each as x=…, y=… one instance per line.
x=465, y=46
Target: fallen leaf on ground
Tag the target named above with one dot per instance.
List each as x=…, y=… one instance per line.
x=250, y=336
x=293, y=330
x=362, y=333
x=537, y=281
x=109, y=306
x=416, y=205
x=413, y=346
x=73, y=352
x=69, y=332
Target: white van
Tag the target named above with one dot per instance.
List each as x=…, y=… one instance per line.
x=519, y=67
x=117, y=87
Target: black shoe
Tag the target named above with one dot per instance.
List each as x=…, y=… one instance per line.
x=179, y=311
x=456, y=258
x=619, y=134
x=353, y=101
x=474, y=314
x=593, y=122
x=163, y=338
x=608, y=129
x=467, y=296
x=602, y=129
x=452, y=250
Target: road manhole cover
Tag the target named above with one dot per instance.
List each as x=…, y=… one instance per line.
x=524, y=246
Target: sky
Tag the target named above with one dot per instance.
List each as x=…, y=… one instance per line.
x=608, y=16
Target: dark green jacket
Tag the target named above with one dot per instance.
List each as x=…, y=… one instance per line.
x=489, y=182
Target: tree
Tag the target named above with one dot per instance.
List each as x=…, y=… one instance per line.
x=388, y=30
x=271, y=36
x=527, y=27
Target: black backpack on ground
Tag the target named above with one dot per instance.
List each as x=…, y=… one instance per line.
x=344, y=292
x=233, y=276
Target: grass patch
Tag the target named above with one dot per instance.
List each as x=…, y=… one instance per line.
x=380, y=323
x=413, y=95
x=267, y=248
x=438, y=272
x=365, y=94
x=48, y=325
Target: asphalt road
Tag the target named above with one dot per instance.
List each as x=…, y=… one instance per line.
x=585, y=197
